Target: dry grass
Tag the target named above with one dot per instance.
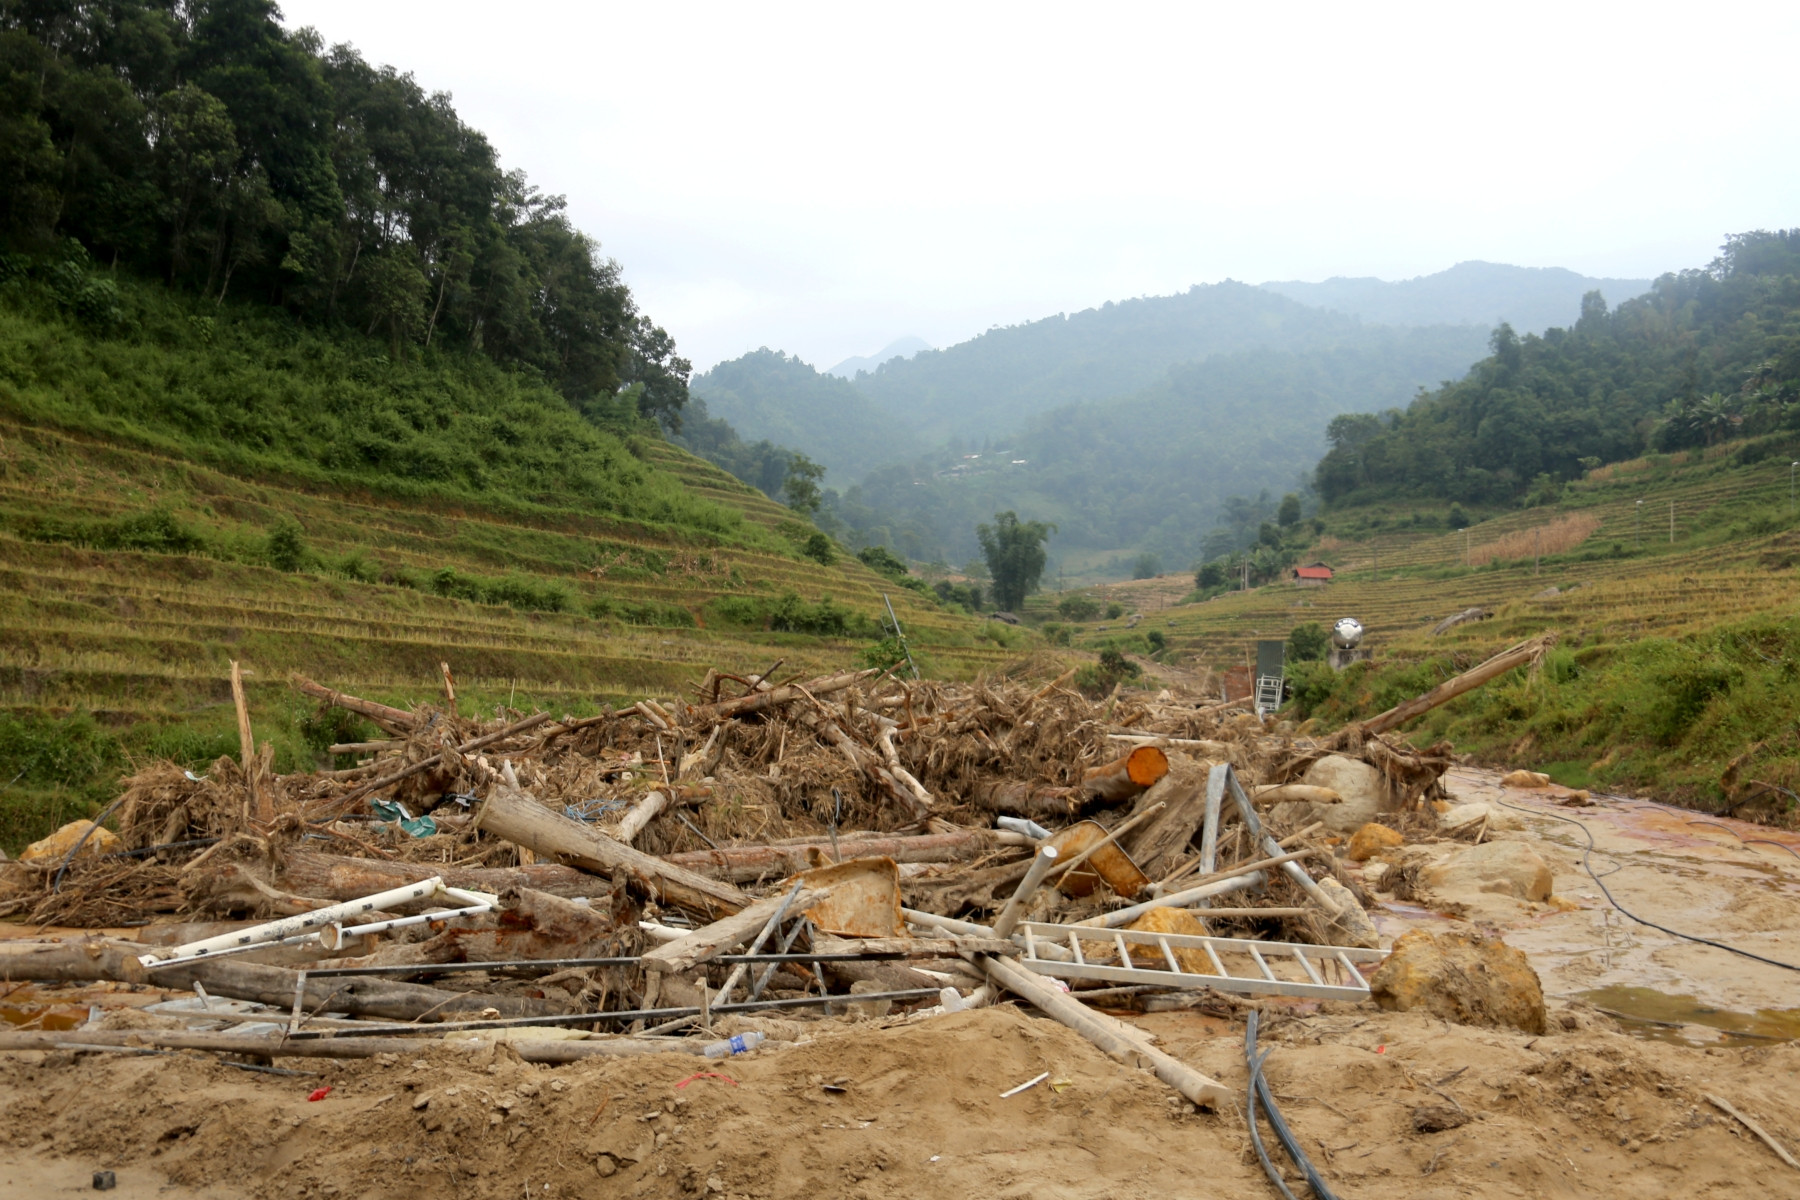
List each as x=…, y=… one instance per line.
x=1557, y=537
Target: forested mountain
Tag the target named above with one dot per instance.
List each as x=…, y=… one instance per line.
x=769, y=396
x=203, y=144
x=1152, y=471
x=904, y=347
x=1705, y=355
x=990, y=385
x=1530, y=299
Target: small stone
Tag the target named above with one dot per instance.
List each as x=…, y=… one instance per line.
x=1435, y=1118
x=1373, y=838
x=422, y=1102
x=714, y=1184
x=1525, y=779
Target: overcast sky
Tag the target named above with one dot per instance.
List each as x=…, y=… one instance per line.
x=823, y=179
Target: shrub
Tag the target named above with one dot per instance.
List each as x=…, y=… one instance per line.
x=1210, y=575
x=818, y=547
x=1146, y=566
x=883, y=561
x=1078, y=608
x=1114, y=611
x=1307, y=643
x=284, y=549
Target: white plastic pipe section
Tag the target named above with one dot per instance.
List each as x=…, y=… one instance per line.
x=311, y=924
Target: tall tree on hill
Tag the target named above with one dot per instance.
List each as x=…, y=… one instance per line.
x=1014, y=550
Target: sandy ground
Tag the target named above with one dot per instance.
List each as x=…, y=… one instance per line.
x=1598, y=1108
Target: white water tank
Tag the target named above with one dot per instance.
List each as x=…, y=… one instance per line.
x=1347, y=633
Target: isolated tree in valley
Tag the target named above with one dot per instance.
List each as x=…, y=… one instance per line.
x=1288, y=515
x=1014, y=550
x=801, y=487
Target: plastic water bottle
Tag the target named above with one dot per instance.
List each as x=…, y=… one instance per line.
x=735, y=1044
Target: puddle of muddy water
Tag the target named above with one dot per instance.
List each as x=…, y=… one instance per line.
x=1649, y=1013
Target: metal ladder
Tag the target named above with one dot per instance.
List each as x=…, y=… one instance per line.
x=1263, y=968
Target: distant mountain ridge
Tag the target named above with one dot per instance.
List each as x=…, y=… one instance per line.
x=1530, y=299
x=904, y=347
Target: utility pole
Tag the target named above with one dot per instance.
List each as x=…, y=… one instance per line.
x=1637, y=528
x=1791, y=467
x=1467, y=561
x=1537, y=550
x=1671, y=522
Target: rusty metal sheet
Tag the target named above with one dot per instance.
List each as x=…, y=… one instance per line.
x=1108, y=863
x=864, y=900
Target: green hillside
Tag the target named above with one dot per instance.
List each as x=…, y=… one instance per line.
x=768, y=396
x=1708, y=355
x=1674, y=656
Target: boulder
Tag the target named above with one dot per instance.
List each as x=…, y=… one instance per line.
x=58, y=844
x=1173, y=920
x=1372, y=839
x=1461, y=977
x=1352, y=926
x=1468, y=814
x=1525, y=779
x=1506, y=868
x=1360, y=785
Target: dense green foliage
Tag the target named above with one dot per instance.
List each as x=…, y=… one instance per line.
x=252, y=390
x=770, y=397
x=1707, y=354
x=1530, y=299
x=203, y=144
x=1663, y=713
x=1014, y=551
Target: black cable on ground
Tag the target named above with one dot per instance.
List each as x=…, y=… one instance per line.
x=1259, y=1088
x=1585, y=854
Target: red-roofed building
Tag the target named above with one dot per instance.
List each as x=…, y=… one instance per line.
x=1312, y=575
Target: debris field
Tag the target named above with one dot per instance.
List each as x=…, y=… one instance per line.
x=855, y=933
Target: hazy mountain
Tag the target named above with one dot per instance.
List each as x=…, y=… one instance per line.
x=1531, y=299
x=991, y=385
x=768, y=395
x=904, y=347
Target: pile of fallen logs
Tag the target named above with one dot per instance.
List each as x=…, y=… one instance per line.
x=830, y=845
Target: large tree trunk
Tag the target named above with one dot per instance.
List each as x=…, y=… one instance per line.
x=336, y=877
x=742, y=864
x=360, y=996
x=515, y=816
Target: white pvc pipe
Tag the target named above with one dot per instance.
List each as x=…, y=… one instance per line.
x=308, y=922
x=335, y=936
x=1123, y=916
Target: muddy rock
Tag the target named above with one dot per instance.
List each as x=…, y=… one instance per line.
x=1468, y=814
x=1372, y=839
x=1506, y=868
x=1177, y=920
x=1465, y=978
x=1525, y=779
x=1352, y=926
x=1356, y=781
x=100, y=841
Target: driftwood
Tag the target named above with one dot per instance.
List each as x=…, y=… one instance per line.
x=381, y=714
x=773, y=698
x=711, y=940
x=1126, y=777
x=518, y=818
x=1155, y=844
x=335, y=877
x=741, y=864
x=343, y=803
x=1281, y=793
x=530, y=1050
x=529, y=925
x=100, y=959
x=1529, y=651
x=1060, y=1006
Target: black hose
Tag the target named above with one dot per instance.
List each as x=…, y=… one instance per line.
x=1587, y=853
x=1259, y=1089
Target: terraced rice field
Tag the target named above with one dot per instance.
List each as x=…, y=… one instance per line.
x=1736, y=542
x=137, y=635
